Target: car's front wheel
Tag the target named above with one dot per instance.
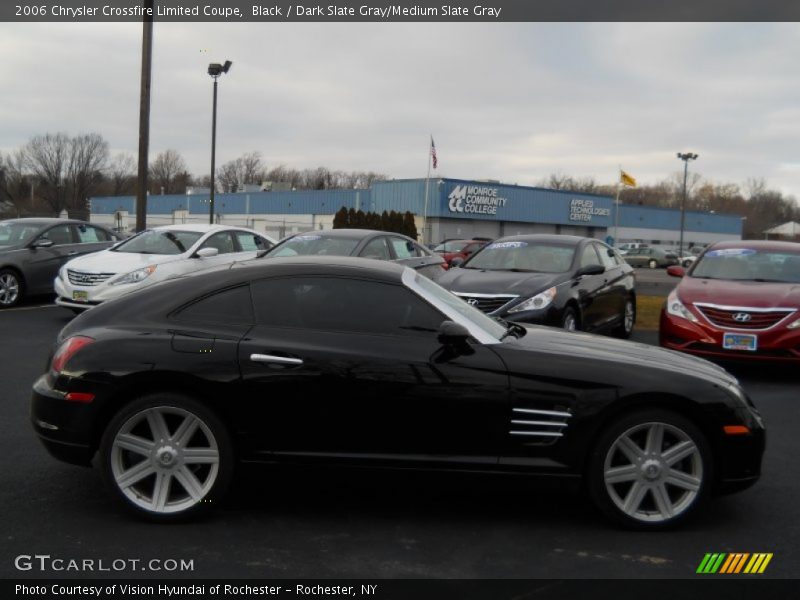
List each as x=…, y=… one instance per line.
x=569, y=320
x=650, y=469
x=625, y=328
x=167, y=457
x=11, y=288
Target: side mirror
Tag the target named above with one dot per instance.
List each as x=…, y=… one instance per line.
x=42, y=243
x=590, y=270
x=457, y=262
x=676, y=271
x=452, y=333
x=206, y=252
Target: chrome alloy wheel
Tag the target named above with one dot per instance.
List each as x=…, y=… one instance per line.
x=165, y=459
x=9, y=289
x=653, y=472
x=629, y=317
x=570, y=322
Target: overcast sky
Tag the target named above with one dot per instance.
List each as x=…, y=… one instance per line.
x=512, y=102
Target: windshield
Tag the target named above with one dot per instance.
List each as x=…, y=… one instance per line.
x=748, y=264
x=314, y=244
x=449, y=303
x=14, y=233
x=160, y=242
x=523, y=256
x=451, y=247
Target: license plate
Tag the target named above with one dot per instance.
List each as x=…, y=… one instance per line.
x=80, y=296
x=738, y=341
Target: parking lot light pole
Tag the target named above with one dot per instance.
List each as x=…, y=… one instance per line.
x=685, y=157
x=215, y=70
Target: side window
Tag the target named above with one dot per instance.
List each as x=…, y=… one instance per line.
x=59, y=235
x=340, y=304
x=87, y=234
x=607, y=261
x=250, y=242
x=589, y=256
x=229, y=307
x=403, y=248
x=222, y=241
x=376, y=248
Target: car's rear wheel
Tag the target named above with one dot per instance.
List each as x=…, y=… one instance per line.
x=687, y=264
x=569, y=320
x=167, y=457
x=652, y=263
x=650, y=469
x=11, y=288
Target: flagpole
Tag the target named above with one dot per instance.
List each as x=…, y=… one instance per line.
x=427, y=180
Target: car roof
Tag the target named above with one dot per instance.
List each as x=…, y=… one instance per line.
x=197, y=227
x=350, y=233
x=546, y=237
x=775, y=245
x=43, y=221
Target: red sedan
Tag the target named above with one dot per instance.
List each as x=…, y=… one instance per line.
x=740, y=300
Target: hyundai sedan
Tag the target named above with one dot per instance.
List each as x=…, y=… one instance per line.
x=344, y=361
x=562, y=280
x=740, y=300
x=151, y=256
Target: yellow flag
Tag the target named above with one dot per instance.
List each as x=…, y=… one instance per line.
x=626, y=179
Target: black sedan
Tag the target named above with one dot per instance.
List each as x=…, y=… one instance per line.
x=33, y=250
x=561, y=280
x=366, y=243
x=358, y=362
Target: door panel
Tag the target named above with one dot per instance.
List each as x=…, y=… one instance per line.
x=341, y=368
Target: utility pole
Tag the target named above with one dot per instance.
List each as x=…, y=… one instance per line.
x=144, y=115
x=685, y=157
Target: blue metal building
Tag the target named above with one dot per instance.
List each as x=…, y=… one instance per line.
x=447, y=208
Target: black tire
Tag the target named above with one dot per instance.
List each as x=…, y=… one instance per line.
x=652, y=263
x=625, y=328
x=12, y=288
x=569, y=320
x=651, y=516
x=169, y=460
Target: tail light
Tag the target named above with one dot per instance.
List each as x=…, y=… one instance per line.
x=445, y=266
x=67, y=350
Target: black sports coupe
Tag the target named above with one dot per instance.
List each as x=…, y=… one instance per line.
x=354, y=361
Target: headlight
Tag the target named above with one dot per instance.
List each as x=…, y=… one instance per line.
x=134, y=276
x=676, y=308
x=794, y=325
x=537, y=302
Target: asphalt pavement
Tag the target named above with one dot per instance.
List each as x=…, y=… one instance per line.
x=654, y=282
x=339, y=524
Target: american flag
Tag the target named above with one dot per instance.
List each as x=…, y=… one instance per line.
x=434, y=160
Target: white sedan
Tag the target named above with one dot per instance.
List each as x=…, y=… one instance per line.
x=151, y=256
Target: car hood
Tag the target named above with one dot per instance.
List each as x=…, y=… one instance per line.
x=107, y=261
x=755, y=294
x=498, y=282
x=631, y=355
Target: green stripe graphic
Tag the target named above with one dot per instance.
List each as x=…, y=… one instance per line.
x=711, y=563
x=702, y=567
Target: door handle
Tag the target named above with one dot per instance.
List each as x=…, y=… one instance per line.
x=73, y=253
x=271, y=358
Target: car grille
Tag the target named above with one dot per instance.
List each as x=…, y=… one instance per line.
x=87, y=279
x=743, y=318
x=533, y=426
x=486, y=302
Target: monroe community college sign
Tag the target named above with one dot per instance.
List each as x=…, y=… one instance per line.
x=584, y=210
x=475, y=199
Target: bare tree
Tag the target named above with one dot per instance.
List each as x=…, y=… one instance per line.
x=168, y=173
x=122, y=174
x=88, y=158
x=245, y=170
x=46, y=157
x=16, y=186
